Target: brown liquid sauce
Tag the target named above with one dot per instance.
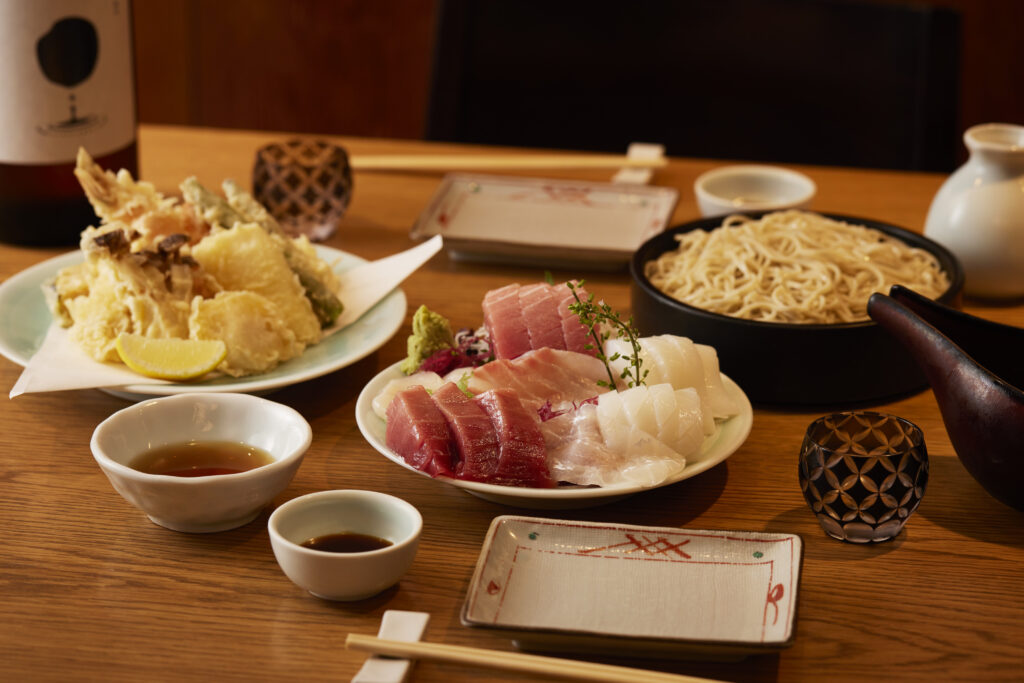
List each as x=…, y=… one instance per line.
x=201, y=459
x=346, y=542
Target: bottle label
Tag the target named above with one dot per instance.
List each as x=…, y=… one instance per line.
x=66, y=79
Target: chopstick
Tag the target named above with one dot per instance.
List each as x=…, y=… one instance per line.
x=454, y=162
x=512, y=661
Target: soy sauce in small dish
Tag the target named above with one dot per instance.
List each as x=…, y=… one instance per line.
x=201, y=459
x=346, y=542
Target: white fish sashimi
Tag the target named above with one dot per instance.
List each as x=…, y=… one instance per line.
x=430, y=381
x=638, y=436
x=579, y=453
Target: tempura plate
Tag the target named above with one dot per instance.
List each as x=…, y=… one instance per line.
x=25, y=318
x=728, y=437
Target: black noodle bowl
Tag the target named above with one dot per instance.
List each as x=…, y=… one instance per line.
x=810, y=365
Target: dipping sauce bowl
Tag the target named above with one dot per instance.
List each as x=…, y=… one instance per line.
x=205, y=503
x=345, y=575
x=752, y=187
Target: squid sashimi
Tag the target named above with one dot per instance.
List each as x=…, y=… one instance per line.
x=418, y=432
x=683, y=364
x=524, y=317
x=522, y=458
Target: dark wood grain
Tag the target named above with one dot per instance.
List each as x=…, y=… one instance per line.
x=90, y=589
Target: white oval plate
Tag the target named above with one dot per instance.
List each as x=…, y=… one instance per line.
x=25, y=318
x=729, y=436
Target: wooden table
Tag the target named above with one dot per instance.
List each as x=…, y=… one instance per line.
x=90, y=589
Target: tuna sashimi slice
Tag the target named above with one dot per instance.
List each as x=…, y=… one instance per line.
x=503, y=317
x=473, y=433
x=543, y=320
x=575, y=333
x=418, y=432
x=522, y=456
x=535, y=316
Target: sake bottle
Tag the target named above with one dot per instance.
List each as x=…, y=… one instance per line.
x=66, y=81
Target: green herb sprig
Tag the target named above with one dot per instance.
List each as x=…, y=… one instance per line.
x=593, y=315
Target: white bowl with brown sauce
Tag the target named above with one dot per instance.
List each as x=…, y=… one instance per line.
x=201, y=462
x=790, y=363
x=345, y=545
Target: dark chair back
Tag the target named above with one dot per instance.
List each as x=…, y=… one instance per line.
x=797, y=81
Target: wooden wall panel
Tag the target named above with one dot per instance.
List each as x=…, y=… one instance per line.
x=321, y=66
x=362, y=67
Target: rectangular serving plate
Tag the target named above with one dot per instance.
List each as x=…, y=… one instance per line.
x=536, y=221
x=569, y=586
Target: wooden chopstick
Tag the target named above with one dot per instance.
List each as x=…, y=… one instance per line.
x=512, y=661
x=454, y=162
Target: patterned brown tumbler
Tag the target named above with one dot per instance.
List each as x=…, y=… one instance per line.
x=863, y=474
x=305, y=184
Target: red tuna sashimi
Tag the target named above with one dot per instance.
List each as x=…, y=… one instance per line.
x=473, y=433
x=575, y=333
x=521, y=318
x=503, y=317
x=540, y=311
x=418, y=432
x=522, y=459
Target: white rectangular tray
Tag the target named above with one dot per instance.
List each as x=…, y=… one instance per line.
x=556, y=585
x=544, y=222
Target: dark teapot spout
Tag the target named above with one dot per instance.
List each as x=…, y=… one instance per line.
x=983, y=413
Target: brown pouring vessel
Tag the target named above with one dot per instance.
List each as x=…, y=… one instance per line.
x=975, y=370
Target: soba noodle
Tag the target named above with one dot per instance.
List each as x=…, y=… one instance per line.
x=791, y=266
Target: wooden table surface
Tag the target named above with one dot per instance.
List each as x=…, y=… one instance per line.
x=90, y=589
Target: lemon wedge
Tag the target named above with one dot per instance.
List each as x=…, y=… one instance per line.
x=175, y=359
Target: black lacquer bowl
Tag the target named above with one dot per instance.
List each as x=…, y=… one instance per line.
x=810, y=365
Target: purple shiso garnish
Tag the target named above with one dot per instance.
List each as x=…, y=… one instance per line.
x=472, y=348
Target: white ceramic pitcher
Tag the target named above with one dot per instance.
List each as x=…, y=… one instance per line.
x=978, y=213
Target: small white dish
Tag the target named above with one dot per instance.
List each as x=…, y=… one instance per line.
x=729, y=436
x=211, y=503
x=25, y=319
x=752, y=187
x=574, y=586
x=345, y=576
x=538, y=221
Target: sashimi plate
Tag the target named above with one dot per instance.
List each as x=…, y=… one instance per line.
x=728, y=437
x=25, y=318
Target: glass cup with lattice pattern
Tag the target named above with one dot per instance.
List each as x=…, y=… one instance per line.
x=305, y=184
x=863, y=474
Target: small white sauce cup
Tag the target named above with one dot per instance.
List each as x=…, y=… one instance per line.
x=202, y=504
x=345, y=576
x=752, y=187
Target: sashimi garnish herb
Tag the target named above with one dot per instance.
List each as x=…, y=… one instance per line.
x=463, y=384
x=601, y=321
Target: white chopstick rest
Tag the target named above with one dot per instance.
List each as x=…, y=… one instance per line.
x=395, y=625
x=640, y=152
